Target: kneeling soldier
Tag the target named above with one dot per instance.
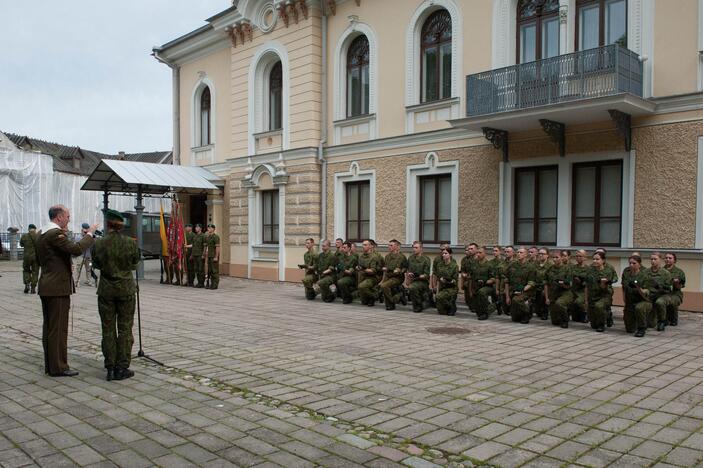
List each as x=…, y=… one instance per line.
x=557, y=288
x=418, y=276
x=482, y=284
x=346, y=273
x=678, y=280
x=394, y=271
x=327, y=269
x=519, y=285
x=369, y=266
x=309, y=268
x=447, y=275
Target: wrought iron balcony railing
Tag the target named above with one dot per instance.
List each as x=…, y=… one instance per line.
x=603, y=71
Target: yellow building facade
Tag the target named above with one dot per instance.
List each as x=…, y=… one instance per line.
x=564, y=123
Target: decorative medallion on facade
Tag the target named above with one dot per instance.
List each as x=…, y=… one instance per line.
x=266, y=18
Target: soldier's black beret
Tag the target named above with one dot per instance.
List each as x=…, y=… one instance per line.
x=211, y=225
x=188, y=225
x=112, y=215
x=31, y=226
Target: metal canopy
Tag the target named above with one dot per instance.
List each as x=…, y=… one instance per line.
x=147, y=178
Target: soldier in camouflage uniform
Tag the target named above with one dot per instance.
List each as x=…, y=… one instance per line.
x=196, y=255
x=212, y=243
x=599, y=292
x=466, y=272
x=447, y=274
x=558, y=288
x=579, y=275
x=418, y=276
x=659, y=292
x=483, y=283
x=611, y=272
x=190, y=264
x=346, y=273
x=435, y=262
x=370, y=264
x=309, y=267
x=327, y=271
x=518, y=287
x=637, y=306
x=678, y=282
x=497, y=263
x=542, y=266
x=116, y=255
x=30, y=262
x=394, y=268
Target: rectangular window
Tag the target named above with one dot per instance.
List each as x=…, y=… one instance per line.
x=358, y=210
x=269, y=208
x=597, y=203
x=435, y=208
x=601, y=23
x=535, y=220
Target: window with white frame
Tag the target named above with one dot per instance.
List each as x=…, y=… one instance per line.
x=275, y=97
x=600, y=23
x=597, y=203
x=204, y=121
x=358, y=210
x=269, y=218
x=358, y=85
x=435, y=208
x=436, y=57
x=535, y=215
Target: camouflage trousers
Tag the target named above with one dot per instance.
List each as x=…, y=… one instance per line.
x=391, y=290
x=480, y=302
x=30, y=271
x=419, y=292
x=673, y=301
x=213, y=271
x=578, y=306
x=559, y=307
x=309, y=283
x=520, y=308
x=190, y=265
x=325, y=283
x=446, y=299
x=198, y=269
x=635, y=315
x=346, y=285
x=117, y=319
x=658, y=313
x=598, y=312
x=368, y=290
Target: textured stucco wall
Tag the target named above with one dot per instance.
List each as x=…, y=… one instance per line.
x=537, y=144
x=665, y=184
x=478, y=193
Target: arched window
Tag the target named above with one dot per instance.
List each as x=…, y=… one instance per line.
x=358, y=77
x=537, y=30
x=600, y=23
x=205, y=107
x=436, y=57
x=276, y=97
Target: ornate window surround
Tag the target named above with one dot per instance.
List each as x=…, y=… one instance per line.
x=565, y=195
x=431, y=166
x=355, y=174
x=262, y=61
x=339, y=109
x=203, y=82
x=640, y=33
x=279, y=179
x=413, y=61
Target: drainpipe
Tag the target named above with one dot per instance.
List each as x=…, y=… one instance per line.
x=176, y=78
x=323, y=136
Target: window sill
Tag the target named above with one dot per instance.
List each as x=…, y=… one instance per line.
x=269, y=247
x=269, y=133
x=202, y=149
x=357, y=119
x=264, y=259
x=425, y=106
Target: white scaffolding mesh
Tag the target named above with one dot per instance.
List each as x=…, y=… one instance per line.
x=29, y=186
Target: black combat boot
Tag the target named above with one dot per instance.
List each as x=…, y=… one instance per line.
x=390, y=306
x=661, y=325
x=640, y=332
x=33, y=290
x=565, y=324
x=110, y=374
x=26, y=289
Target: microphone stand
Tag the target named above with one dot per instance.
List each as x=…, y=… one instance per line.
x=141, y=353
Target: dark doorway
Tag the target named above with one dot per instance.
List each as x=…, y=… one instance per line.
x=198, y=210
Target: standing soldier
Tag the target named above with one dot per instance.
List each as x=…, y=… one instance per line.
x=395, y=266
x=116, y=255
x=346, y=273
x=327, y=269
x=212, y=243
x=466, y=272
x=418, y=276
x=196, y=255
x=190, y=264
x=599, y=292
x=659, y=292
x=30, y=264
x=519, y=287
x=482, y=284
x=369, y=267
x=542, y=266
x=309, y=268
x=447, y=275
x=678, y=282
x=557, y=288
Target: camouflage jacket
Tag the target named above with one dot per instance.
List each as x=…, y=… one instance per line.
x=419, y=265
x=393, y=262
x=447, y=275
x=29, y=242
x=116, y=255
x=198, y=244
x=598, y=289
x=519, y=275
x=559, y=279
x=677, y=273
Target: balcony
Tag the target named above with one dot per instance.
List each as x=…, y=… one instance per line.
x=571, y=88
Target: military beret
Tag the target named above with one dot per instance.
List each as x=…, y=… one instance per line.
x=112, y=215
x=211, y=225
x=85, y=226
x=188, y=225
x=31, y=226
x=199, y=225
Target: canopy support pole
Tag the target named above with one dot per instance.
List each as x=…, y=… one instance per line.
x=139, y=208
x=106, y=197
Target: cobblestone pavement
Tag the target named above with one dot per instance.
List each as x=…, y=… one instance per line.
x=256, y=375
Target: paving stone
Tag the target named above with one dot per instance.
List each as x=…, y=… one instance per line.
x=303, y=450
x=486, y=450
x=622, y=443
x=416, y=462
x=83, y=455
x=683, y=456
x=598, y=458
x=355, y=441
x=513, y=458
x=652, y=449
x=388, y=452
